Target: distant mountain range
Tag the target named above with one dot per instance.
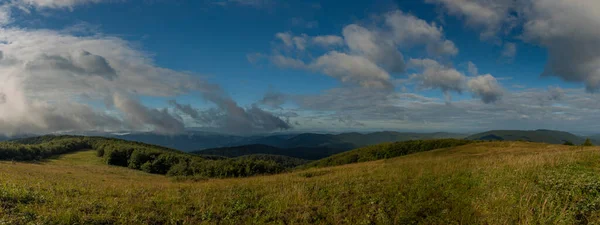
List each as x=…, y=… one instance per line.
x=312, y=146
x=194, y=141
x=545, y=136
x=307, y=153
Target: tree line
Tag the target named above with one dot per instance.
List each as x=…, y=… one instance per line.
x=145, y=157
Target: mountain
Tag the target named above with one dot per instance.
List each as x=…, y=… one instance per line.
x=306, y=153
x=312, y=146
x=188, y=141
x=198, y=140
x=545, y=136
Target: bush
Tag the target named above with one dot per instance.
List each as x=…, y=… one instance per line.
x=588, y=142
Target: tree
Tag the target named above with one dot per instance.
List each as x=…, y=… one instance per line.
x=588, y=142
x=568, y=143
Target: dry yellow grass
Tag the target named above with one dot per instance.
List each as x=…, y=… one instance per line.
x=486, y=183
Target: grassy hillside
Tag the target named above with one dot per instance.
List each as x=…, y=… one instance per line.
x=386, y=151
x=545, y=136
x=482, y=183
x=356, y=140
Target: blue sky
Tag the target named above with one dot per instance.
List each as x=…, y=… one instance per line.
x=256, y=66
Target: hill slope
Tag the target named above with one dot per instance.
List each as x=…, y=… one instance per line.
x=483, y=183
x=545, y=136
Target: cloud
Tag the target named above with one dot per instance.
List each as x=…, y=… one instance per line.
x=291, y=41
x=138, y=115
x=248, y=3
x=273, y=99
x=489, y=16
x=565, y=29
x=353, y=69
x=55, y=3
x=79, y=63
x=472, y=68
x=287, y=62
x=328, y=40
x=364, y=55
x=374, y=47
x=509, y=50
x=54, y=81
x=435, y=75
x=408, y=30
x=231, y=118
x=486, y=87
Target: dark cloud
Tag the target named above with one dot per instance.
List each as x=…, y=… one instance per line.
x=273, y=99
x=486, y=87
x=161, y=121
x=80, y=63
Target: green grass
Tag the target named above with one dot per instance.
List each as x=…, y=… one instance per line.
x=481, y=183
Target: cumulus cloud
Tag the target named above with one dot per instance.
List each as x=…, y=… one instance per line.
x=565, y=29
x=52, y=81
x=364, y=55
x=560, y=26
x=328, y=40
x=435, y=75
x=486, y=87
x=489, y=16
x=291, y=41
x=379, y=50
x=408, y=30
x=353, y=69
x=287, y=62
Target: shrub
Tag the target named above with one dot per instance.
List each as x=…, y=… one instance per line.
x=588, y=142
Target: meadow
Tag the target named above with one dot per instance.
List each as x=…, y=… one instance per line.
x=479, y=183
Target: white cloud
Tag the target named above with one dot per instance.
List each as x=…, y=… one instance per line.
x=52, y=81
x=489, y=16
x=408, y=30
x=287, y=62
x=364, y=56
x=353, y=69
x=286, y=38
x=375, y=47
x=435, y=75
x=328, y=40
x=55, y=3
x=486, y=87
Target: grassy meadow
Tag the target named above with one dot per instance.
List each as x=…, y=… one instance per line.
x=480, y=183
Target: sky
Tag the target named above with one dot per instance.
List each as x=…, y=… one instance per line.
x=264, y=66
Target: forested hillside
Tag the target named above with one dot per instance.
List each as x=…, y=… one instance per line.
x=141, y=156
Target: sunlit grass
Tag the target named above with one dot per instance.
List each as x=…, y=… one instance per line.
x=485, y=183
